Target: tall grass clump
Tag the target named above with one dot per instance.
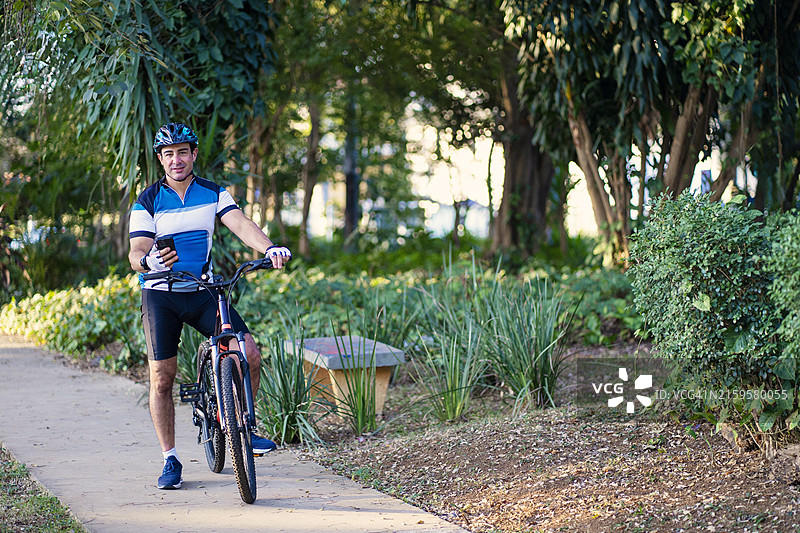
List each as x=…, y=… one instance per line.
x=450, y=371
x=524, y=325
x=356, y=399
x=287, y=395
x=191, y=339
x=528, y=325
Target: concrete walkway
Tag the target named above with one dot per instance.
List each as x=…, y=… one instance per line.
x=88, y=438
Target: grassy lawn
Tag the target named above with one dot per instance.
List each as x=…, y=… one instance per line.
x=27, y=506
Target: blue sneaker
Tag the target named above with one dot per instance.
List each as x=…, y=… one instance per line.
x=171, y=477
x=261, y=445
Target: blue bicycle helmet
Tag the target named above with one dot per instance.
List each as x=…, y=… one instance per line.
x=174, y=133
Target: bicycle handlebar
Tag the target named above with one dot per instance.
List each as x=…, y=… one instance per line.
x=168, y=276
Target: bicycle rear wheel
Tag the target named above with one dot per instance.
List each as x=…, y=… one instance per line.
x=237, y=430
x=210, y=432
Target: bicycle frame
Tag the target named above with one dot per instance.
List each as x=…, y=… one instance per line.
x=220, y=347
x=224, y=334
x=235, y=404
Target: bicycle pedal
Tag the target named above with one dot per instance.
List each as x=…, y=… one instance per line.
x=190, y=392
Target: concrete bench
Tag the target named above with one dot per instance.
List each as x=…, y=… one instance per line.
x=329, y=358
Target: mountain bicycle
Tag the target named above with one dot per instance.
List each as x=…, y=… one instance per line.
x=222, y=397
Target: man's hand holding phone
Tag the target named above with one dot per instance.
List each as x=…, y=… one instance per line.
x=166, y=250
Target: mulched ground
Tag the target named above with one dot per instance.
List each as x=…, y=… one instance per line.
x=560, y=470
x=567, y=469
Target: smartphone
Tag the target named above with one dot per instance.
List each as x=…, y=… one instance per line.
x=165, y=242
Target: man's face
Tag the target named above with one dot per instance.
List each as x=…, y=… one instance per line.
x=177, y=160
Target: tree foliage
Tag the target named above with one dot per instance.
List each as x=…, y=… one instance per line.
x=134, y=66
x=673, y=79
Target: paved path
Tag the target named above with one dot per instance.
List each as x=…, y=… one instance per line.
x=88, y=438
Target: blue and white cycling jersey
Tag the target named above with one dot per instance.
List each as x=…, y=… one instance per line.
x=160, y=212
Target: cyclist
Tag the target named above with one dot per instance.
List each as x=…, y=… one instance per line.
x=185, y=207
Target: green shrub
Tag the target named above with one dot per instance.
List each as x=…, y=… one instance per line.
x=699, y=277
x=79, y=321
x=783, y=264
x=417, y=251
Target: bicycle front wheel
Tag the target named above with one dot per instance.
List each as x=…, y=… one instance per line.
x=210, y=432
x=237, y=430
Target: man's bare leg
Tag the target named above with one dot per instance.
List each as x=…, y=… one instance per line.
x=254, y=360
x=162, y=408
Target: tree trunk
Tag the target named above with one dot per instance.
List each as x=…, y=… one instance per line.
x=561, y=187
x=688, y=138
x=645, y=131
x=790, y=196
x=613, y=218
x=352, y=212
x=521, y=220
x=276, y=195
x=621, y=191
x=260, y=150
x=529, y=173
x=743, y=139
x=121, y=238
x=489, y=189
x=310, y=175
x=255, y=176
x=666, y=147
x=587, y=160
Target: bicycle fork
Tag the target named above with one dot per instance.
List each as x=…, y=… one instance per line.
x=220, y=348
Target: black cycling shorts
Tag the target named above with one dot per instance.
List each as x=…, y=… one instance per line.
x=164, y=313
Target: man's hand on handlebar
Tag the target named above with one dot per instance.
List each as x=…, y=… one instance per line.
x=279, y=255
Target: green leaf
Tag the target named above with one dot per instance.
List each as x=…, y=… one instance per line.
x=738, y=343
x=703, y=303
x=786, y=368
x=739, y=199
x=767, y=419
x=793, y=420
